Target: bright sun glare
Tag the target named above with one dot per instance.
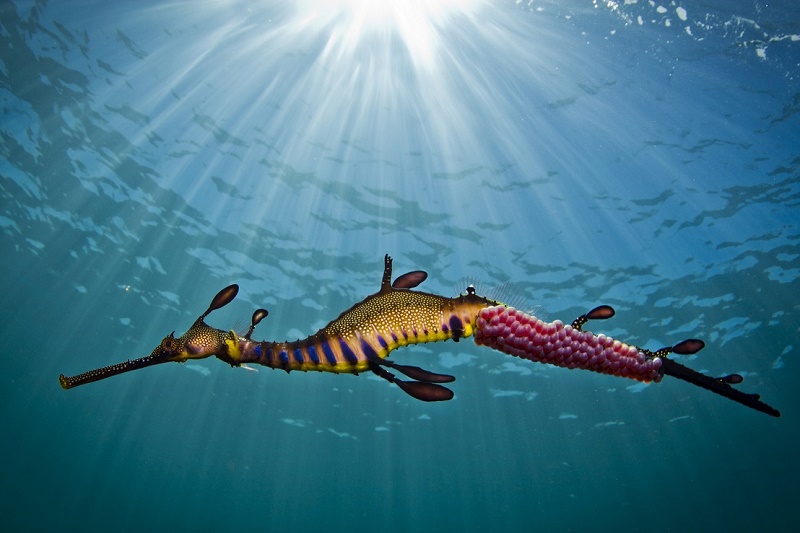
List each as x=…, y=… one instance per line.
x=416, y=23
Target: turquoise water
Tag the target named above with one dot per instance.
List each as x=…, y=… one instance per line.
x=636, y=154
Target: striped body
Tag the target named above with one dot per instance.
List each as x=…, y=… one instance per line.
x=359, y=339
x=368, y=331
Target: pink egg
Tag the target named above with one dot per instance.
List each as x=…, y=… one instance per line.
x=530, y=347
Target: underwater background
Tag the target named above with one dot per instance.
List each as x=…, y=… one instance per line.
x=640, y=154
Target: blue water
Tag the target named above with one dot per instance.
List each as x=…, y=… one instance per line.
x=643, y=155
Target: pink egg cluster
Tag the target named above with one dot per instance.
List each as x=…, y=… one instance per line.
x=522, y=335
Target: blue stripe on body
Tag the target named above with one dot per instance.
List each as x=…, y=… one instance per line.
x=368, y=351
x=312, y=354
x=382, y=342
x=329, y=355
x=348, y=352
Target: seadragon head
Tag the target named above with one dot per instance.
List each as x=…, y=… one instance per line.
x=199, y=342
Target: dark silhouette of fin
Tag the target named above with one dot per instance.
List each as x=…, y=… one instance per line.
x=223, y=298
x=410, y=280
x=427, y=392
x=688, y=347
x=732, y=379
x=601, y=312
x=258, y=316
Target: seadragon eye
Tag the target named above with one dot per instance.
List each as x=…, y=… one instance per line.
x=470, y=289
x=169, y=344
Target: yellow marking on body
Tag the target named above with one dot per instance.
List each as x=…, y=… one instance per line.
x=338, y=368
x=232, y=346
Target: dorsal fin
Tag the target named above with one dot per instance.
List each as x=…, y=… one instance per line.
x=409, y=280
x=387, y=274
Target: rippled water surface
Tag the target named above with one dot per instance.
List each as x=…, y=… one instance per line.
x=638, y=154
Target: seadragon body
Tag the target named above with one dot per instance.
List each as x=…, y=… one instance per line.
x=361, y=338
x=358, y=340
